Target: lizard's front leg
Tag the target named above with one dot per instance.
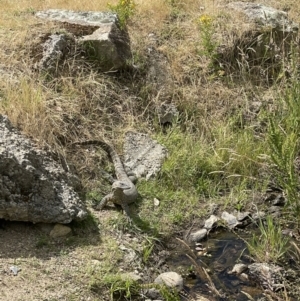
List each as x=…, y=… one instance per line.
x=125, y=208
x=104, y=201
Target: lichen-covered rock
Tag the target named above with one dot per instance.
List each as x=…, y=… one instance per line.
x=143, y=155
x=54, y=50
x=265, y=16
x=33, y=187
x=264, y=37
x=99, y=33
x=269, y=276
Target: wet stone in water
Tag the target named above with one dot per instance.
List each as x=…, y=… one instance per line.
x=211, y=222
x=198, y=235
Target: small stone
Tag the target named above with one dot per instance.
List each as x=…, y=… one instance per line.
x=59, y=231
x=211, y=222
x=14, y=269
x=156, y=202
x=170, y=279
x=230, y=219
x=198, y=235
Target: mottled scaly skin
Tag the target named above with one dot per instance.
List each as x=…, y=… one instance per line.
x=124, y=191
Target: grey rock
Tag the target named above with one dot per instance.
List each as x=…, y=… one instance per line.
x=60, y=231
x=15, y=270
x=83, y=18
x=109, y=45
x=170, y=279
x=265, y=16
x=143, y=156
x=167, y=113
x=99, y=33
x=211, y=222
x=33, y=187
x=230, y=220
x=269, y=276
x=198, y=235
x=54, y=49
x=264, y=38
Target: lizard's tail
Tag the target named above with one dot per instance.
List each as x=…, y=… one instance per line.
x=119, y=168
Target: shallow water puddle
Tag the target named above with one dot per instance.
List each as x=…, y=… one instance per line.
x=219, y=255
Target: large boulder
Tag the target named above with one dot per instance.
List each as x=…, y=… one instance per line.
x=99, y=33
x=269, y=276
x=33, y=187
x=261, y=40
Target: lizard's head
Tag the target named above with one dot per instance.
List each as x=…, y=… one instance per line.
x=119, y=186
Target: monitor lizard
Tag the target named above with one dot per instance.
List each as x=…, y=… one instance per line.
x=123, y=191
